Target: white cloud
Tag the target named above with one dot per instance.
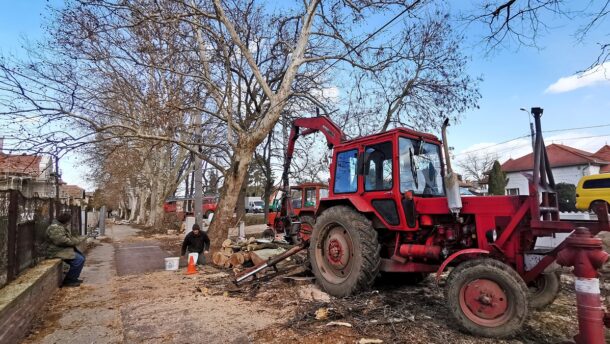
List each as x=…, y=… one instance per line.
x=597, y=75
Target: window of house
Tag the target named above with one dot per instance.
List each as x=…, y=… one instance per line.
x=346, y=179
x=378, y=167
x=512, y=192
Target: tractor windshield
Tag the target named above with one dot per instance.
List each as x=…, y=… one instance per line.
x=420, y=167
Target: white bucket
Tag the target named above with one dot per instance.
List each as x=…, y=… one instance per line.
x=171, y=263
x=195, y=257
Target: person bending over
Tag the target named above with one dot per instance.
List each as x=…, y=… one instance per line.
x=196, y=241
x=62, y=244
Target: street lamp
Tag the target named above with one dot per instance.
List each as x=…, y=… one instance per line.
x=531, y=126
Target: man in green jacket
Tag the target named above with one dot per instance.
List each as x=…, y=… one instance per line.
x=63, y=245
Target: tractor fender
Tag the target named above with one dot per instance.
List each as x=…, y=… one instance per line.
x=455, y=255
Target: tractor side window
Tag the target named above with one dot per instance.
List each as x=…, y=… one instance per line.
x=310, y=198
x=378, y=167
x=346, y=179
x=297, y=198
x=323, y=193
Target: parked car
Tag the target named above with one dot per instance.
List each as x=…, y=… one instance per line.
x=592, y=189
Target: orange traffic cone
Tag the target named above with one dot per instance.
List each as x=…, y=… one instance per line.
x=190, y=269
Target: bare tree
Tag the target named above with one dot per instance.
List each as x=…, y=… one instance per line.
x=476, y=166
x=142, y=71
x=524, y=21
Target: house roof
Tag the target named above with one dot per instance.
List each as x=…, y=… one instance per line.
x=72, y=191
x=603, y=154
x=559, y=155
x=20, y=165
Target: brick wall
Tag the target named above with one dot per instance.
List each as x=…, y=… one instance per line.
x=24, y=297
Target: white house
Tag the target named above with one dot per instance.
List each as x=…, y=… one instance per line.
x=568, y=165
x=30, y=174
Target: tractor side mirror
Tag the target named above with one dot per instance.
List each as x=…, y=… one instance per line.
x=408, y=206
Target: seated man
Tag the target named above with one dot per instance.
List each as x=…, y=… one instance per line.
x=63, y=245
x=198, y=242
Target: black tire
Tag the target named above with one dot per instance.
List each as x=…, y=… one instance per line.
x=594, y=203
x=544, y=290
x=353, y=265
x=478, y=277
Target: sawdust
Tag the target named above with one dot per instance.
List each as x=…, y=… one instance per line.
x=412, y=314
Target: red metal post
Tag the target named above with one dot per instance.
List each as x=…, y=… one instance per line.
x=584, y=252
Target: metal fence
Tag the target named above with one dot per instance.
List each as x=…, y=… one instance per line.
x=23, y=224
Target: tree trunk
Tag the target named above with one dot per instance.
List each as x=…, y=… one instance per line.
x=234, y=178
x=154, y=192
x=268, y=176
x=240, y=208
x=133, y=205
x=141, y=217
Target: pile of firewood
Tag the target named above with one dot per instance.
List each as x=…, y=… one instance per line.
x=237, y=254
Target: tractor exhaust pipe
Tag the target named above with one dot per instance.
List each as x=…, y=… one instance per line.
x=452, y=187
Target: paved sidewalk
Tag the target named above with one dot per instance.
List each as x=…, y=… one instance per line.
x=89, y=314
x=127, y=297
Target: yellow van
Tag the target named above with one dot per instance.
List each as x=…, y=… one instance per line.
x=591, y=189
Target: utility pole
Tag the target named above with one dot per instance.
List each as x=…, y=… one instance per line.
x=531, y=127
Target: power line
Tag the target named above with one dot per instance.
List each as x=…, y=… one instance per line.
x=510, y=149
x=569, y=129
x=544, y=131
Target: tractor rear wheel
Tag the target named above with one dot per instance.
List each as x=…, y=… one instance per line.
x=544, y=289
x=487, y=298
x=344, y=251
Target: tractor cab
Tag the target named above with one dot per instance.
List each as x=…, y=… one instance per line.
x=374, y=173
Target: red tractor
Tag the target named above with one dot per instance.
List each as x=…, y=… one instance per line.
x=394, y=207
x=305, y=199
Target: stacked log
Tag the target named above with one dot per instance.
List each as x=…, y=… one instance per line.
x=236, y=254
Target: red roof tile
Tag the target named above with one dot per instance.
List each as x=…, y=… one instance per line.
x=20, y=164
x=72, y=191
x=559, y=155
x=604, y=154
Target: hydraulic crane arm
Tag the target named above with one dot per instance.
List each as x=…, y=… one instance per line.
x=334, y=135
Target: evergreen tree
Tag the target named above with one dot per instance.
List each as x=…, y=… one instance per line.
x=497, y=180
x=566, y=196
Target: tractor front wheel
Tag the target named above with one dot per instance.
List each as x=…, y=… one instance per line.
x=544, y=289
x=344, y=251
x=487, y=298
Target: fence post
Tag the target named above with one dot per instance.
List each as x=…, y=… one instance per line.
x=13, y=208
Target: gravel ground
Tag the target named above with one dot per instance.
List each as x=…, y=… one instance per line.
x=171, y=307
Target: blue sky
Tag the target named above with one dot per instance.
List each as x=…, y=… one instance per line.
x=513, y=79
